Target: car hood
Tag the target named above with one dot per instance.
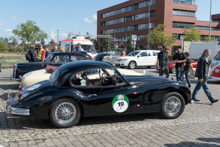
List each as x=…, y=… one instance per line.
x=127, y=57
x=146, y=79
x=31, y=63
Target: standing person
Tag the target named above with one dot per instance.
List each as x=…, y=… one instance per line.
x=202, y=70
x=123, y=53
x=186, y=69
x=41, y=54
x=179, y=60
x=69, y=50
x=162, y=61
x=31, y=56
x=79, y=49
x=47, y=52
x=54, y=49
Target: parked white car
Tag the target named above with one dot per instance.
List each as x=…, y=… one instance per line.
x=138, y=58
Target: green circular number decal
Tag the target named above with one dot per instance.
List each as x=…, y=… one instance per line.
x=120, y=103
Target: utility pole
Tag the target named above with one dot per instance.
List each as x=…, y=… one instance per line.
x=210, y=21
x=57, y=37
x=149, y=25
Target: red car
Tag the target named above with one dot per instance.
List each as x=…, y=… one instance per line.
x=172, y=68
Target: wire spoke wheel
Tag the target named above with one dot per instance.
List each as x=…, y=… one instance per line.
x=65, y=113
x=172, y=105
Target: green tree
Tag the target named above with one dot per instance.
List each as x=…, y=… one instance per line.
x=52, y=41
x=95, y=43
x=13, y=40
x=129, y=44
x=192, y=34
x=29, y=32
x=107, y=44
x=6, y=40
x=159, y=37
x=206, y=39
x=3, y=45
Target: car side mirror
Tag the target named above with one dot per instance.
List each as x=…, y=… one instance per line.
x=138, y=56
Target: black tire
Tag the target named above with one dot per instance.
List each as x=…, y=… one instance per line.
x=130, y=65
x=173, y=69
x=175, y=95
x=54, y=106
x=148, y=66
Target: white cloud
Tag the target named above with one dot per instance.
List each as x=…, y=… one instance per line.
x=91, y=21
x=15, y=18
x=8, y=30
x=1, y=24
x=53, y=35
x=63, y=36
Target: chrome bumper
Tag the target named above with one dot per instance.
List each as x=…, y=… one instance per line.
x=18, y=79
x=15, y=111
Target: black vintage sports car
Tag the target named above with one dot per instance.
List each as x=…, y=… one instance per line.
x=92, y=88
x=21, y=68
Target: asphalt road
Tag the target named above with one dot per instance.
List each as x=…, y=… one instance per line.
x=199, y=125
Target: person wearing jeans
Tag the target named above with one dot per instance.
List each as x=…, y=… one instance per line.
x=179, y=60
x=202, y=74
x=186, y=69
x=162, y=62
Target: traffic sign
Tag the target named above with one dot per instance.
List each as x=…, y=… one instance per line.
x=134, y=37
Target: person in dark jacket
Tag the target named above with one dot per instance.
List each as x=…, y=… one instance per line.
x=47, y=52
x=162, y=61
x=202, y=70
x=32, y=54
x=179, y=60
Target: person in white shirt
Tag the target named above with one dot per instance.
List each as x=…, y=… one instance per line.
x=79, y=49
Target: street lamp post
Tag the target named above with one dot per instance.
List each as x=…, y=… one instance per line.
x=210, y=21
x=149, y=26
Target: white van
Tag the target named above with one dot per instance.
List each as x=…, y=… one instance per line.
x=138, y=58
x=86, y=44
x=196, y=49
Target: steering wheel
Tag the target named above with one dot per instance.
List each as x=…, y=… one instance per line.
x=102, y=78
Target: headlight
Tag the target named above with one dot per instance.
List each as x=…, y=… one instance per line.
x=217, y=70
x=27, y=74
x=33, y=87
x=124, y=59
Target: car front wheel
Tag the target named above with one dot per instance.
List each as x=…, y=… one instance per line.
x=65, y=113
x=132, y=65
x=173, y=69
x=173, y=105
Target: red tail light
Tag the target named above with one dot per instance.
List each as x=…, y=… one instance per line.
x=20, y=88
x=19, y=96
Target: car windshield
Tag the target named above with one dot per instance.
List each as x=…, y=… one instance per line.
x=217, y=57
x=54, y=76
x=88, y=48
x=134, y=53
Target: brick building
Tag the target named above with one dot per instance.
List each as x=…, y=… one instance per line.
x=132, y=18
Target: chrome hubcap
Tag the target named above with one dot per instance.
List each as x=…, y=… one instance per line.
x=172, y=105
x=65, y=113
x=132, y=65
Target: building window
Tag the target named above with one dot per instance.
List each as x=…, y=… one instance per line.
x=207, y=28
x=216, y=20
x=187, y=2
x=129, y=18
x=129, y=8
x=179, y=36
x=182, y=25
x=184, y=13
x=128, y=28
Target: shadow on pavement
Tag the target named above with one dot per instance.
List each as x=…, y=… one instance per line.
x=209, y=140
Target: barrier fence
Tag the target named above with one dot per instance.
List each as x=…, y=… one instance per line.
x=9, y=61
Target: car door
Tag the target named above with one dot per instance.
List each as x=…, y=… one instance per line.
x=151, y=58
x=143, y=59
x=112, y=97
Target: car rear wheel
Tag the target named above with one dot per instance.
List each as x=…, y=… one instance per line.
x=173, y=69
x=65, y=113
x=132, y=65
x=173, y=105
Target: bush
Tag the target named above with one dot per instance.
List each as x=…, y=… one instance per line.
x=170, y=58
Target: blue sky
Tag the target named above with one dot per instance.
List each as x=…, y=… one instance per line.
x=67, y=15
